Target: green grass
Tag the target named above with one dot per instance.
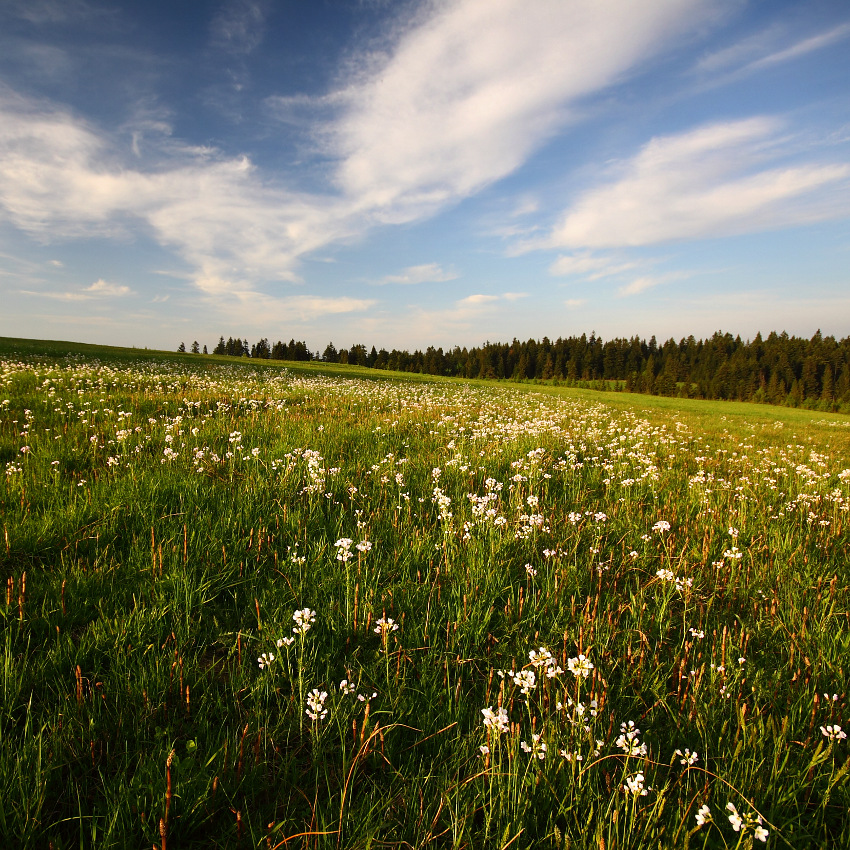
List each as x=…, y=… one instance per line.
x=146, y=571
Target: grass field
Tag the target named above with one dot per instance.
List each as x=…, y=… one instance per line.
x=254, y=606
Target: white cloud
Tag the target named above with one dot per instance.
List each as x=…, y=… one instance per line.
x=60, y=180
x=475, y=300
x=99, y=289
x=239, y=26
x=460, y=98
x=480, y=300
x=306, y=307
x=801, y=48
x=575, y=302
x=711, y=181
x=641, y=284
x=102, y=287
x=762, y=51
x=427, y=273
x=58, y=296
x=589, y=265
x=465, y=96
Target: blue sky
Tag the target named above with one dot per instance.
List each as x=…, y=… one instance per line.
x=412, y=173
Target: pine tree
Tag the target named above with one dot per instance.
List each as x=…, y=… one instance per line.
x=182, y=348
x=196, y=349
x=826, y=393
x=810, y=378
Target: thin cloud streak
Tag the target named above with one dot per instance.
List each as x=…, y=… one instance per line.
x=758, y=52
x=100, y=289
x=590, y=266
x=480, y=299
x=645, y=282
x=426, y=273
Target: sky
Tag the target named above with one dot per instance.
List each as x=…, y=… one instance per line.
x=413, y=173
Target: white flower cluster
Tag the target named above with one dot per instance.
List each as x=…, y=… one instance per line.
x=542, y=658
x=343, y=549
x=680, y=581
x=629, y=740
x=751, y=820
x=579, y=711
x=304, y=618
x=525, y=680
x=703, y=816
x=497, y=720
x=537, y=748
x=315, y=471
x=635, y=785
x=687, y=758
x=443, y=503
x=833, y=733
x=316, y=705
x=531, y=523
x=580, y=666
x=385, y=625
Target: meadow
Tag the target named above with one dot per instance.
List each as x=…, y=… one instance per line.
x=248, y=605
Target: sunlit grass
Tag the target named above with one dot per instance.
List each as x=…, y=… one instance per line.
x=167, y=521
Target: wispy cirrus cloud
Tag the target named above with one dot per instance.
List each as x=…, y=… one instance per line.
x=56, y=11
x=590, y=266
x=459, y=96
x=100, y=289
x=468, y=93
x=61, y=179
x=764, y=50
x=426, y=273
x=645, y=282
x=239, y=26
x=721, y=179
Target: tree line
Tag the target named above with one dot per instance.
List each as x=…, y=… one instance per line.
x=779, y=369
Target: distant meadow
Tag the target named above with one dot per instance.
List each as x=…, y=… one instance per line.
x=283, y=605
